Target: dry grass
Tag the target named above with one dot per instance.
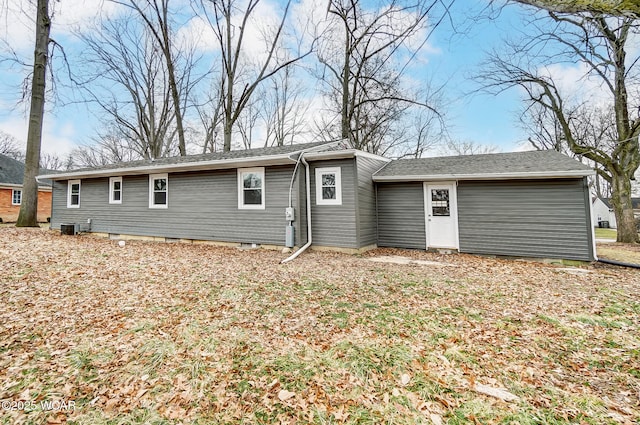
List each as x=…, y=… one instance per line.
x=626, y=253
x=169, y=333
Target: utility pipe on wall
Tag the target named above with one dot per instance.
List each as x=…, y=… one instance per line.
x=309, y=236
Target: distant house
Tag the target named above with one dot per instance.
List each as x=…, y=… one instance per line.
x=603, y=214
x=11, y=178
x=531, y=204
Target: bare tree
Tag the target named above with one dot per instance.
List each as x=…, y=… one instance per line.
x=360, y=66
x=9, y=146
x=210, y=115
x=283, y=109
x=230, y=20
x=99, y=155
x=51, y=161
x=425, y=132
x=591, y=124
x=248, y=120
x=155, y=15
x=466, y=147
x=28, y=216
x=131, y=83
x=600, y=45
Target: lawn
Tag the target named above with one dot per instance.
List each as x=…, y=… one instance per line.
x=605, y=233
x=159, y=333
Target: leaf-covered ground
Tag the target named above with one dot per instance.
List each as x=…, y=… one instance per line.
x=162, y=333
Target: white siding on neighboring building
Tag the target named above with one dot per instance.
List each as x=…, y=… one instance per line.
x=601, y=212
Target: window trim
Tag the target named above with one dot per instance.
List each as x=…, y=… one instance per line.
x=112, y=181
x=13, y=196
x=241, y=204
x=70, y=184
x=152, y=179
x=337, y=171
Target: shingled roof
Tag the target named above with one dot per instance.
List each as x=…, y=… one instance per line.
x=532, y=164
x=12, y=172
x=193, y=162
x=635, y=203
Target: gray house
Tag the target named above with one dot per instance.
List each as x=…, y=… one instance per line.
x=531, y=204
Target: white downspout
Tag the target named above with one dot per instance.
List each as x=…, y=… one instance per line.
x=309, y=238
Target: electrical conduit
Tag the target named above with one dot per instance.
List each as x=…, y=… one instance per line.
x=308, y=185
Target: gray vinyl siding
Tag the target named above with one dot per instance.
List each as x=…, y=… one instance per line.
x=300, y=222
x=202, y=205
x=367, y=225
x=401, y=219
x=335, y=225
x=547, y=219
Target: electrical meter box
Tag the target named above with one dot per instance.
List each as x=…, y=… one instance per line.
x=289, y=214
x=289, y=236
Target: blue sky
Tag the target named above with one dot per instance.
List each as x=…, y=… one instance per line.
x=481, y=118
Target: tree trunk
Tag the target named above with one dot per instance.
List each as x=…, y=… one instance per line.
x=345, y=130
x=28, y=216
x=623, y=208
x=173, y=84
x=228, y=127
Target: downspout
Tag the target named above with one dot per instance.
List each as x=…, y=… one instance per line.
x=308, y=187
x=591, y=219
x=618, y=263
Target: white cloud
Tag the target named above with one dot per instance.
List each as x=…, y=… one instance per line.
x=19, y=20
x=78, y=14
x=57, y=137
x=574, y=83
x=198, y=34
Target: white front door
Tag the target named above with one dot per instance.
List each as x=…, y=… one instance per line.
x=441, y=215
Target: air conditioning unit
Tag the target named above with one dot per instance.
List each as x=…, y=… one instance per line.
x=69, y=229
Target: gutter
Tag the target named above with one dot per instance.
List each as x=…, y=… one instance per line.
x=343, y=154
x=619, y=263
x=485, y=176
x=43, y=188
x=150, y=167
x=185, y=166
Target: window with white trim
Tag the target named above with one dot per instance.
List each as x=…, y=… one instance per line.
x=115, y=190
x=158, y=191
x=73, y=194
x=251, y=188
x=328, y=186
x=16, y=197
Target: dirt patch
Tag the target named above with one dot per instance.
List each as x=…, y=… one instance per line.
x=181, y=333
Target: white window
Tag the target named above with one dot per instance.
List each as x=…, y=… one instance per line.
x=16, y=197
x=73, y=194
x=251, y=188
x=328, y=186
x=115, y=190
x=158, y=191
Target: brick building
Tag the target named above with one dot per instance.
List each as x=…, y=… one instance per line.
x=11, y=175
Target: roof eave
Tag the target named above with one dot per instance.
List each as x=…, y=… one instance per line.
x=218, y=164
x=343, y=154
x=486, y=176
x=43, y=188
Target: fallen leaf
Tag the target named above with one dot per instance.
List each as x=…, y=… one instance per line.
x=404, y=379
x=435, y=418
x=285, y=395
x=499, y=393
